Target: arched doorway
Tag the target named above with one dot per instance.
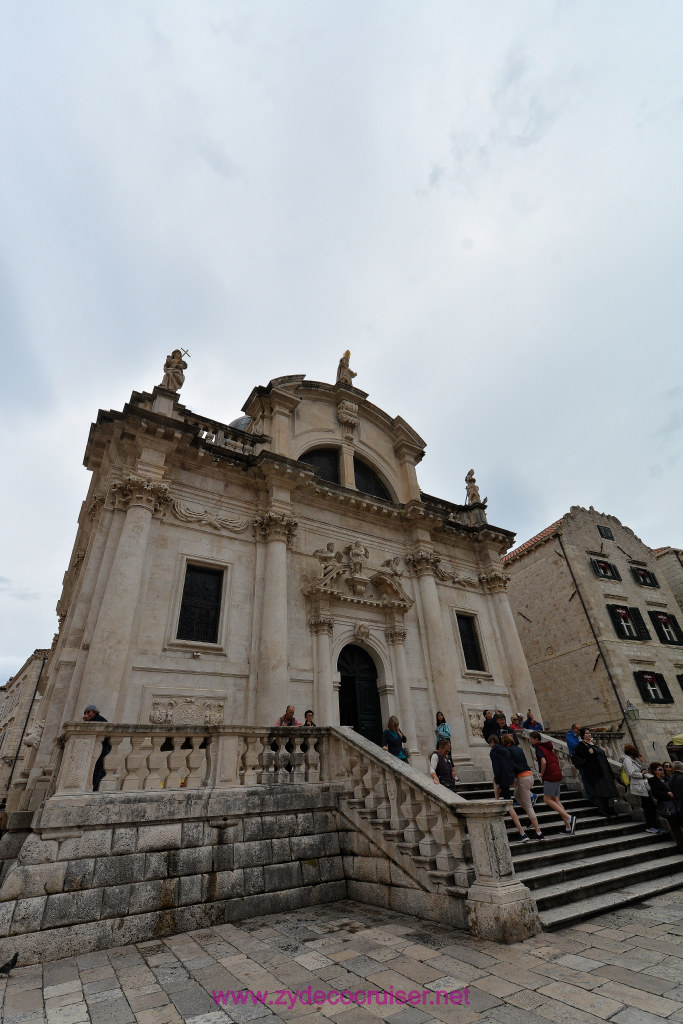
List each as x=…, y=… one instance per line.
x=358, y=696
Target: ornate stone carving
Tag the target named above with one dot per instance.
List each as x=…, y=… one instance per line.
x=473, y=497
x=453, y=576
x=174, y=378
x=328, y=558
x=476, y=721
x=393, y=566
x=357, y=555
x=321, y=625
x=95, y=506
x=203, y=517
x=423, y=563
x=275, y=526
x=78, y=562
x=362, y=632
x=135, y=490
x=495, y=580
x=396, y=635
x=347, y=414
x=345, y=374
x=347, y=579
x=34, y=735
x=187, y=711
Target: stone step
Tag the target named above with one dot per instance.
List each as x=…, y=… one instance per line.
x=584, y=832
x=565, y=915
x=552, y=824
x=580, y=845
x=587, y=867
x=571, y=891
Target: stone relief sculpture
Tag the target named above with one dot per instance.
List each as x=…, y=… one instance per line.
x=187, y=711
x=358, y=555
x=362, y=632
x=174, y=377
x=226, y=521
x=328, y=558
x=393, y=565
x=34, y=735
x=345, y=374
x=473, y=496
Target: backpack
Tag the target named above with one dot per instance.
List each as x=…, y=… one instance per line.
x=624, y=778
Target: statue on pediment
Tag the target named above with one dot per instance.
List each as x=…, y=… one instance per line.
x=174, y=377
x=345, y=374
x=473, y=497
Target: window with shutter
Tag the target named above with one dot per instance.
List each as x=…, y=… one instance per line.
x=628, y=622
x=680, y=681
x=652, y=688
x=644, y=577
x=200, y=608
x=605, y=532
x=605, y=569
x=666, y=627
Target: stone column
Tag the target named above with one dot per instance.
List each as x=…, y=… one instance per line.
x=325, y=712
x=522, y=694
x=273, y=671
x=396, y=637
x=424, y=563
x=110, y=644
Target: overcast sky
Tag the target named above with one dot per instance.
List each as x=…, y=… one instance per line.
x=482, y=200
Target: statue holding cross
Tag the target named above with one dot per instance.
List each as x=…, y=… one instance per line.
x=174, y=377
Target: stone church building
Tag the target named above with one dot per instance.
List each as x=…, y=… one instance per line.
x=223, y=571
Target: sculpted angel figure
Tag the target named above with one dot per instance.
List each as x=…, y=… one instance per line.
x=174, y=378
x=472, y=490
x=358, y=554
x=327, y=557
x=345, y=374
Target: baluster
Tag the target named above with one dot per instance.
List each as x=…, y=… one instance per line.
x=250, y=761
x=196, y=763
x=136, y=763
x=443, y=832
x=312, y=771
x=380, y=795
x=297, y=758
x=410, y=808
x=426, y=818
x=115, y=764
x=397, y=822
x=267, y=761
x=177, y=758
x=157, y=762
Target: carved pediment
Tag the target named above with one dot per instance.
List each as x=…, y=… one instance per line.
x=350, y=580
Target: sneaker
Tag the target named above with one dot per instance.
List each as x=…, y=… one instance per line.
x=653, y=831
x=663, y=831
x=522, y=838
x=539, y=836
x=572, y=823
x=534, y=798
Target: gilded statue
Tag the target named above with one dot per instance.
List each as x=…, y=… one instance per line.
x=345, y=374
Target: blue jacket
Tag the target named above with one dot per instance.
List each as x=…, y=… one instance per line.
x=572, y=741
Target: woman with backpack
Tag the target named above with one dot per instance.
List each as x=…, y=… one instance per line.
x=551, y=775
x=503, y=778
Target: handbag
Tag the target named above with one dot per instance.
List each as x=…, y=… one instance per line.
x=624, y=778
x=667, y=809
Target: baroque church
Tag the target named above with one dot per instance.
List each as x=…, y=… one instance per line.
x=224, y=571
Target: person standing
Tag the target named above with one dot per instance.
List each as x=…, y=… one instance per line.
x=308, y=719
x=523, y=784
x=531, y=723
x=551, y=776
x=443, y=729
x=489, y=726
x=632, y=763
x=393, y=739
x=91, y=714
x=288, y=717
x=441, y=767
x=591, y=759
x=572, y=740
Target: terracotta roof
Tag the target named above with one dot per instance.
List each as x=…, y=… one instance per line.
x=532, y=542
x=656, y=551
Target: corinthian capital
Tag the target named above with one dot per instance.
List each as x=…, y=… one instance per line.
x=275, y=526
x=495, y=580
x=136, y=490
x=423, y=563
x=321, y=625
x=395, y=635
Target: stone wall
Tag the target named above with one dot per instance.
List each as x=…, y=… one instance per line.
x=91, y=875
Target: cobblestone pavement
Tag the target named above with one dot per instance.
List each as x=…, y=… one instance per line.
x=626, y=966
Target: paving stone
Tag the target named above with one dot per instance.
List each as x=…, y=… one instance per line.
x=192, y=1000
x=77, y=1013
x=641, y=1000
x=633, y=1016
x=524, y=999
x=64, y=1000
x=599, y=1006
x=636, y=979
x=159, y=1015
x=21, y=1000
x=111, y=1011
x=579, y=963
x=146, y=1000
x=496, y=986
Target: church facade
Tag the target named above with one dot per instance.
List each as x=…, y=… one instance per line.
x=223, y=571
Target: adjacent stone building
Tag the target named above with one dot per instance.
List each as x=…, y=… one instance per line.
x=19, y=704
x=599, y=627
x=670, y=567
x=222, y=571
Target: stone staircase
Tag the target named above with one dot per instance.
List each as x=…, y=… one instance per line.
x=606, y=864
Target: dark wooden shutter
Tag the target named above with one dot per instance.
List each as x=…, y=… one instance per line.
x=642, y=688
x=658, y=627
x=641, y=628
x=676, y=628
x=594, y=563
x=655, y=581
x=201, y=604
x=615, y=572
x=665, y=691
x=680, y=680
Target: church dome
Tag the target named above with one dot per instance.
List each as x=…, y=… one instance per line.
x=241, y=423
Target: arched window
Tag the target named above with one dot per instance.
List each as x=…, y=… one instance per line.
x=368, y=482
x=325, y=461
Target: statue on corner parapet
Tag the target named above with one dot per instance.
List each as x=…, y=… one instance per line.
x=174, y=378
x=473, y=497
x=345, y=374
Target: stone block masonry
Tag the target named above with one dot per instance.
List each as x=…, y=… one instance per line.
x=92, y=876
